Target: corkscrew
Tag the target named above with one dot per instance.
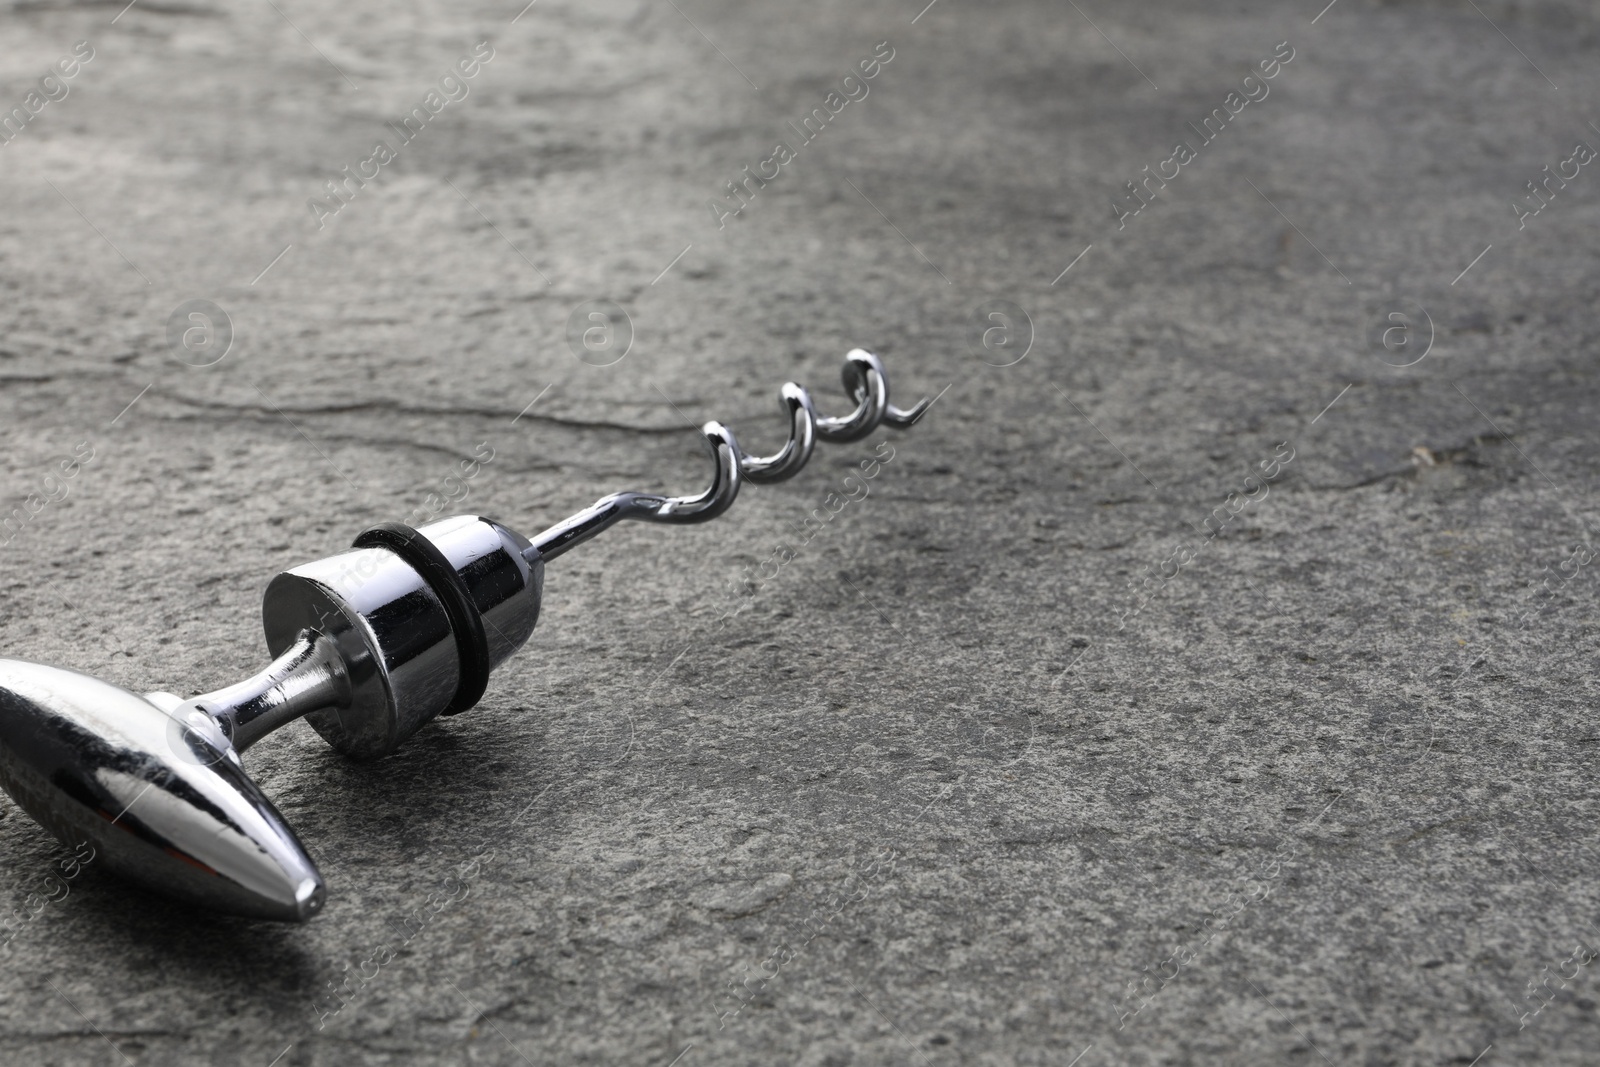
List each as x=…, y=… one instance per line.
x=369, y=645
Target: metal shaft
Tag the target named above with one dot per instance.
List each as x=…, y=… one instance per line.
x=309, y=676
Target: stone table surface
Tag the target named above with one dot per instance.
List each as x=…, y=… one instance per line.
x=1194, y=684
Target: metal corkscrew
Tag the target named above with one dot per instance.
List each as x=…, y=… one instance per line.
x=369, y=645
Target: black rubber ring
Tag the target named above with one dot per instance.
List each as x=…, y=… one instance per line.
x=472, y=644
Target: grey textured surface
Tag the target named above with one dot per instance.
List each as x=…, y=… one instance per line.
x=959, y=777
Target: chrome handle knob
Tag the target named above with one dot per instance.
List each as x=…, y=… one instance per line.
x=161, y=801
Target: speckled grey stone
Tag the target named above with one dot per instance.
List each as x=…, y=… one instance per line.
x=1033, y=753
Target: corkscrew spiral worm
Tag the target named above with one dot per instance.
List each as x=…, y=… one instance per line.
x=864, y=381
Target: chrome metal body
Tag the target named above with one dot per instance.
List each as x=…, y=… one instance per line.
x=370, y=645
x=391, y=631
